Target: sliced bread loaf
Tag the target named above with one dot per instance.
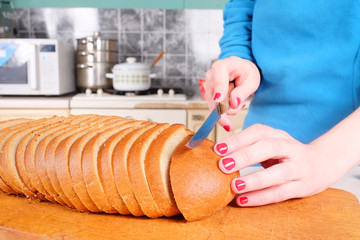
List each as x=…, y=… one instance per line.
x=8, y=155
x=75, y=165
x=136, y=170
x=5, y=135
x=90, y=167
x=157, y=166
x=62, y=162
x=50, y=168
x=120, y=171
x=105, y=162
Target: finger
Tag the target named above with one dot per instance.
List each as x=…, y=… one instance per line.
x=208, y=87
x=247, y=137
x=279, y=193
x=275, y=175
x=232, y=111
x=260, y=151
x=225, y=122
x=220, y=80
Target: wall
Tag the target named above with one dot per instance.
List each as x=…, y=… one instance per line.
x=189, y=37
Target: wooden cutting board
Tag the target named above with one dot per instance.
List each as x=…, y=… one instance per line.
x=332, y=214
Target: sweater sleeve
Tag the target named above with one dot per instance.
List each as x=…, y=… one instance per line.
x=236, y=40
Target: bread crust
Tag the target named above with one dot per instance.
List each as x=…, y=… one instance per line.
x=136, y=170
x=157, y=165
x=200, y=188
x=120, y=171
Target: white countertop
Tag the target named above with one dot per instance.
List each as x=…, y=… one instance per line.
x=35, y=102
x=350, y=182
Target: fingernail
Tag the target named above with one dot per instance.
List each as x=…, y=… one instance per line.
x=238, y=101
x=243, y=200
x=240, y=185
x=243, y=105
x=228, y=163
x=217, y=96
x=222, y=148
x=227, y=128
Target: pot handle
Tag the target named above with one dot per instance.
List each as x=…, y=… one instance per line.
x=152, y=75
x=109, y=75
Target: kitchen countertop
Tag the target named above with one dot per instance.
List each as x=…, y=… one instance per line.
x=37, y=102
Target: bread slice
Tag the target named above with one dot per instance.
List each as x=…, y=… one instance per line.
x=31, y=149
x=62, y=162
x=136, y=170
x=50, y=169
x=200, y=188
x=157, y=166
x=75, y=166
x=120, y=171
x=8, y=155
x=105, y=163
x=5, y=135
x=90, y=168
x=5, y=124
x=44, y=157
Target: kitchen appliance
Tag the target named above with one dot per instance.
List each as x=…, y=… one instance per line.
x=36, y=67
x=95, y=57
x=131, y=76
x=8, y=20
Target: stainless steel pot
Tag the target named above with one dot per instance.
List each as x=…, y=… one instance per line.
x=96, y=56
x=92, y=75
x=96, y=43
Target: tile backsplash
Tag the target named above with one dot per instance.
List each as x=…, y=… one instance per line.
x=189, y=37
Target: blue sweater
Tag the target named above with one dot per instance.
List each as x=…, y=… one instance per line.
x=308, y=55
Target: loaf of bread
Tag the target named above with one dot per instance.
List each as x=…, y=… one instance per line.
x=113, y=165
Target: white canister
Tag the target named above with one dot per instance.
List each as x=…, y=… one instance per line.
x=131, y=76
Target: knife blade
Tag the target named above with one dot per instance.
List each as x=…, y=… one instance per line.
x=210, y=122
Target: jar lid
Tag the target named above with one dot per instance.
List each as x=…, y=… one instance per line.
x=130, y=64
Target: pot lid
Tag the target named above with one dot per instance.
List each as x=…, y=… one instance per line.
x=94, y=38
x=130, y=64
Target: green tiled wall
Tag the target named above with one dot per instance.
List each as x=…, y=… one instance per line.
x=162, y=4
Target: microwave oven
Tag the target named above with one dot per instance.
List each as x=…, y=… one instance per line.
x=36, y=67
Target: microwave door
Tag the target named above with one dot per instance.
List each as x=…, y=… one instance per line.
x=18, y=68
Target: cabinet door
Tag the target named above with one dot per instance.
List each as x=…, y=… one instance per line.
x=237, y=120
x=195, y=118
x=6, y=114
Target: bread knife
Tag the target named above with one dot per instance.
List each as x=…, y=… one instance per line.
x=210, y=122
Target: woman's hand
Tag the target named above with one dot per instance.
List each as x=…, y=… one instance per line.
x=246, y=77
x=292, y=169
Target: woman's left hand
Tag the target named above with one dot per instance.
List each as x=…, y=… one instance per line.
x=291, y=169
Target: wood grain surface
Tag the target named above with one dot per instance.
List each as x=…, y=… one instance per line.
x=332, y=214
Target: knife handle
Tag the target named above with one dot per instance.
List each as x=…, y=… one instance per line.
x=224, y=105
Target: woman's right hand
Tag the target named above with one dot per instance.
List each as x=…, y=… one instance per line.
x=246, y=77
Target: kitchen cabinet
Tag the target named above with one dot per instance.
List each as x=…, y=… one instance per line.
x=195, y=118
x=162, y=4
x=237, y=120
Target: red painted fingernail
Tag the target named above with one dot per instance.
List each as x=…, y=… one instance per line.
x=217, y=96
x=240, y=185
x=243, y=200
x=222, y=148
x=227, y=128
x=228, y=163
x=238, y=101
x=243, y=105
